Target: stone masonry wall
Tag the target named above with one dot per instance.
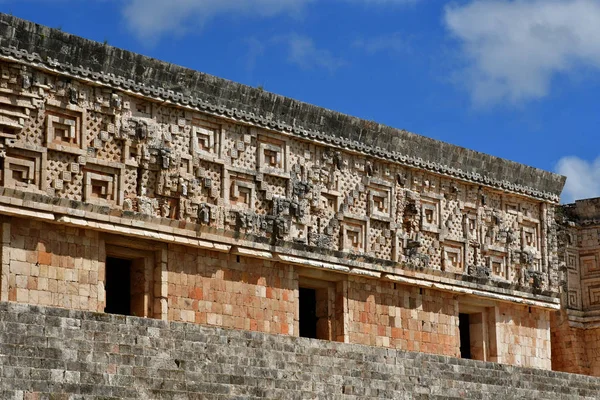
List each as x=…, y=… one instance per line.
x=568, y=349
x=403, y=317
x=574, y=349
x=576, y=327
x=236, y=292
x=591, y=338
x=523, y=336
x=67, y=355
x=52, y=265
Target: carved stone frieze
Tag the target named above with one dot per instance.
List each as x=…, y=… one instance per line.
x=162, y=95
x=255, y=178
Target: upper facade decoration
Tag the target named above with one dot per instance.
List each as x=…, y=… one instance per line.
x=69, y=132
x=579, y=241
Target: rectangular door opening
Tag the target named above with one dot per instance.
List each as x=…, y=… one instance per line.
x=464, y=327
x=308, y=313
x=118, y=286
x=477, y=330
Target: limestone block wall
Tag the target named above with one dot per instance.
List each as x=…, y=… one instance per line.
x=403, y=317
x=523, y=336
x=67, y=354
x=569, y=353
x=591, y=337
x=575, y=349
x=232, y=291
x=52, y=265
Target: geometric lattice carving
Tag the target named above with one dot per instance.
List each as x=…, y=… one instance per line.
x=571, y=261
x=452, y=260
x=21, y=170
x=205, y=138
x=242, y=194
x=271, y=155
x=573, y=299
x=63, y=129
x=14, y=111
x=594, y=295
x=470, y=227
x=141, y=108
x=430, y=218
x=529, y=237
x=589, y=264
x=101, y=186
x=353, y=236
x=329, y=202
x=497, y=264
x=512, y=208
x=380, y=202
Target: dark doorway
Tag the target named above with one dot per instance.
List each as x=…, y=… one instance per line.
x=464, y=327
x=308, y=313
x=118, y=286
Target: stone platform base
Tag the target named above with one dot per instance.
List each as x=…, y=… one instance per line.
x=59, y=354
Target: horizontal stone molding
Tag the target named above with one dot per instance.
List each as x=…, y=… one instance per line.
x=584, y=319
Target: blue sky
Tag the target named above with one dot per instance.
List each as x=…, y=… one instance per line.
x=518, y=79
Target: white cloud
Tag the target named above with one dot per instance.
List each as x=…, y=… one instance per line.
x=516, y=47
x=384, y=2
x=583, y=178
x=394, y=43
x=303, y=52
x=150, y=19
x=256, y=49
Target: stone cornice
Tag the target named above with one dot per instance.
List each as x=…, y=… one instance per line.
x=269, y=111
x=584, y=319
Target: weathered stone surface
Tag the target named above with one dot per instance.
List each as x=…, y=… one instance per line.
x=576, y=329
x=119, y=161
x=223, y=204
x=61, y=354
x=104, y=63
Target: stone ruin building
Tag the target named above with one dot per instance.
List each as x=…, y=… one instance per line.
x=170, y=234
x=576, y=328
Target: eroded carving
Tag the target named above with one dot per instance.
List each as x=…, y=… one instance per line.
x=136, y=155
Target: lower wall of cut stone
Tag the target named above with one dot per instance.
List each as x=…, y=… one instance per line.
x=402, y=317
x=219, y=289
x=591, y=337
x=574, y=350
x=568, y=350
x=53, y=265
x=523, y=336
x=66, y=354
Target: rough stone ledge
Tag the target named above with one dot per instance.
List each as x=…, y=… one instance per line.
x=43, y=47
x=584, y=319
x=65, y=354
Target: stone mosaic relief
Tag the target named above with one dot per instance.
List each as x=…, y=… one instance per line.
x=581, y=260
x=66, y=139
